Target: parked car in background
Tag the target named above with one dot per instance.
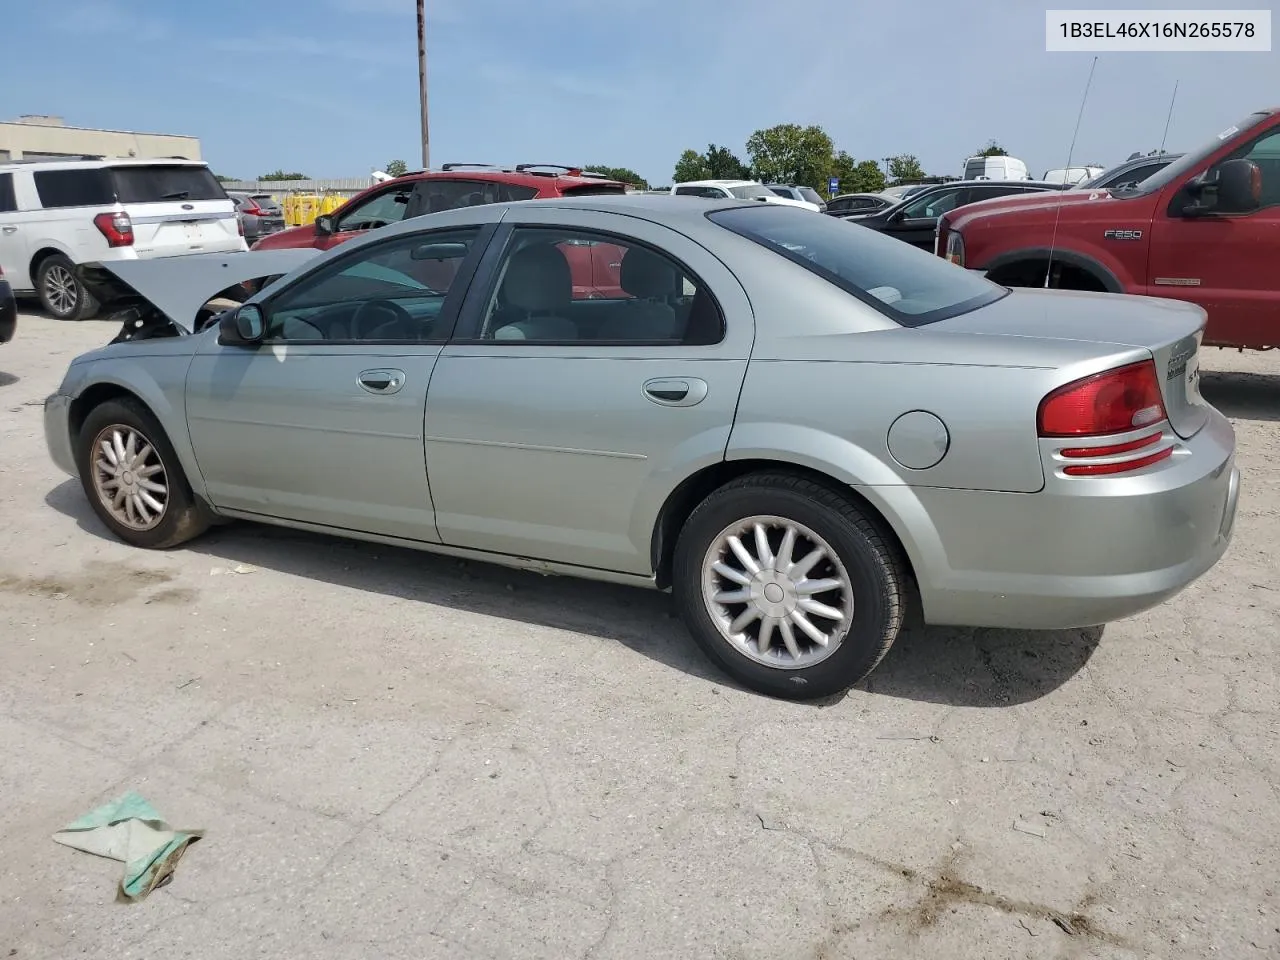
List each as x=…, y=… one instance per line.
x=1205, y=229
x=905, y=190
x=453, y=185
x=694, y=434
x=55, y=214
x=736, y=190
x=857, y=203
x=995, y=168
x=1071, y=175
x=915, y=219
x=8, y=310
x=1130, y=172
x=260, y=215
x=802, y=194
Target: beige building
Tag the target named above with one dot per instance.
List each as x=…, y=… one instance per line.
x=41, y=137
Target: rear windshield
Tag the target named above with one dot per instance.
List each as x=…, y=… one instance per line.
x=751, y=191
x=810, y=194
x=265, y=201
x=782, y=192
x=162, y=184
x=903, y=282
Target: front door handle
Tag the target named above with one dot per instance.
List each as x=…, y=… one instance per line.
x=676, y=391
x=10, y=229
x=381, y=381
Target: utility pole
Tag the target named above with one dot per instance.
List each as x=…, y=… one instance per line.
x=422, y=82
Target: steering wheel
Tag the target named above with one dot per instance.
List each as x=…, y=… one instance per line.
x=392, y=321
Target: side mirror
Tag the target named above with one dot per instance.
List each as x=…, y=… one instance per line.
x=243, y=327
x=1239, y=186
x=324, y=225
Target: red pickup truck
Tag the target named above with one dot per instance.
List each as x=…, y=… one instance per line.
x=1205, y=229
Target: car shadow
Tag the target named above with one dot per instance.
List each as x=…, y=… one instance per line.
x=1242, y=394
x=8, y=379
x=958, y=667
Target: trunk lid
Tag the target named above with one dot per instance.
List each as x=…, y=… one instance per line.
x=1170, y=329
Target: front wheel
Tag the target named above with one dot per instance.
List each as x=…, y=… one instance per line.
x=788, y=586
x=133, y=479
x=62, y=294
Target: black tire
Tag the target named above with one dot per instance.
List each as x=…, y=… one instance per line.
x=876, y=572
x=182, y=517
x=77, y=303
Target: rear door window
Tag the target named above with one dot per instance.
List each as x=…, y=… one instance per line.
x=165, y=184
x=8, y=202
x=74, y=188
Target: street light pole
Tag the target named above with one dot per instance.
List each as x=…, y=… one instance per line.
x=422, y=82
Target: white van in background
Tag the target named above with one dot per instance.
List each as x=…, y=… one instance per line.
x=994, y=168
x=58, y=214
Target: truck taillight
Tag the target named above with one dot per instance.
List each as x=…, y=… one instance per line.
x=1119, y=401
x=116, y=227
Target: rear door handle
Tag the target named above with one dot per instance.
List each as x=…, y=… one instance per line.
x=381, y=381
x=676, y=391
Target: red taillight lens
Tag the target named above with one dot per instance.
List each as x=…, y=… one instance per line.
x=1116, y=401
x=1123, y=466
x=116, y=227
x=255, y=211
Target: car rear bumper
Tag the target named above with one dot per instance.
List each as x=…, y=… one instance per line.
x=1084, y=551
x=57, y=433
x=8, y=312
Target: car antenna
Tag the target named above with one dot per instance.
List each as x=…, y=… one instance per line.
x=1172, y=101
x=1053, y=242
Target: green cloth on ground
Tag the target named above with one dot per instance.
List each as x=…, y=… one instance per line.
x=130, y=830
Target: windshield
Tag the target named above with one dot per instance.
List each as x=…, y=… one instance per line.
x=265, y=202
x=751, y=191
x=811, y=195
x=1189, y=162
x=905, y=283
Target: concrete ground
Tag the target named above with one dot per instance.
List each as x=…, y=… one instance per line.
x=400, y=756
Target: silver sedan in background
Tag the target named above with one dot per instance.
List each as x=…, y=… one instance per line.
x=796, y=426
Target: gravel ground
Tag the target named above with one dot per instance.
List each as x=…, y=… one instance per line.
x=402, y=756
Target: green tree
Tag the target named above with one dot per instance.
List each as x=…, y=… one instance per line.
x=691, y=166
x=790, y=153
x=221, y=179
x=625, y=174
x=857, y=176
x=992, y=149
x=396, y=168
x=723, y=164
x=905, y=167
x=280, y=174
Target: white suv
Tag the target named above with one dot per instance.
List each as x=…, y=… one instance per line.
x=56, y=214
x=736, y=189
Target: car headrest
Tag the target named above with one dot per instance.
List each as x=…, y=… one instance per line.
x=644, y=274
x=538, y=278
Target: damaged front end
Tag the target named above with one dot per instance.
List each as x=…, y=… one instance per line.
x=176, y=296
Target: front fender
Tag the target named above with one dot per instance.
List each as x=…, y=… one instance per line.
x=160, y=383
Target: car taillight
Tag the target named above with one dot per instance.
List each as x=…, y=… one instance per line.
x=255, y=211
x=1119, y=401
x=955, y=248
x=116, y=227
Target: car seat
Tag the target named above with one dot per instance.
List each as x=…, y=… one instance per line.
x=653, y=283
x=537, y=289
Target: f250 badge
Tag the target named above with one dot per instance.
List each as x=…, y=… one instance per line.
x=1122, y=234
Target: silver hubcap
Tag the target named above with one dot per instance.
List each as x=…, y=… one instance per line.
x=60, y=289
x=777, y=592
x=130, y=478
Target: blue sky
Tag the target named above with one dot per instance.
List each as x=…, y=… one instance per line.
x=329, y=87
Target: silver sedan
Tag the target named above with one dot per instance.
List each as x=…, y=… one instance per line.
x=797, y=426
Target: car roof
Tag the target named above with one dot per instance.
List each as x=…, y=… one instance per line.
x=98, y=163
x=720, y=183
x=522, y=173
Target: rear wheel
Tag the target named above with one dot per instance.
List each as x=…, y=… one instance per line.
x=133, y=479
x=62, y=294
x=788, y=586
